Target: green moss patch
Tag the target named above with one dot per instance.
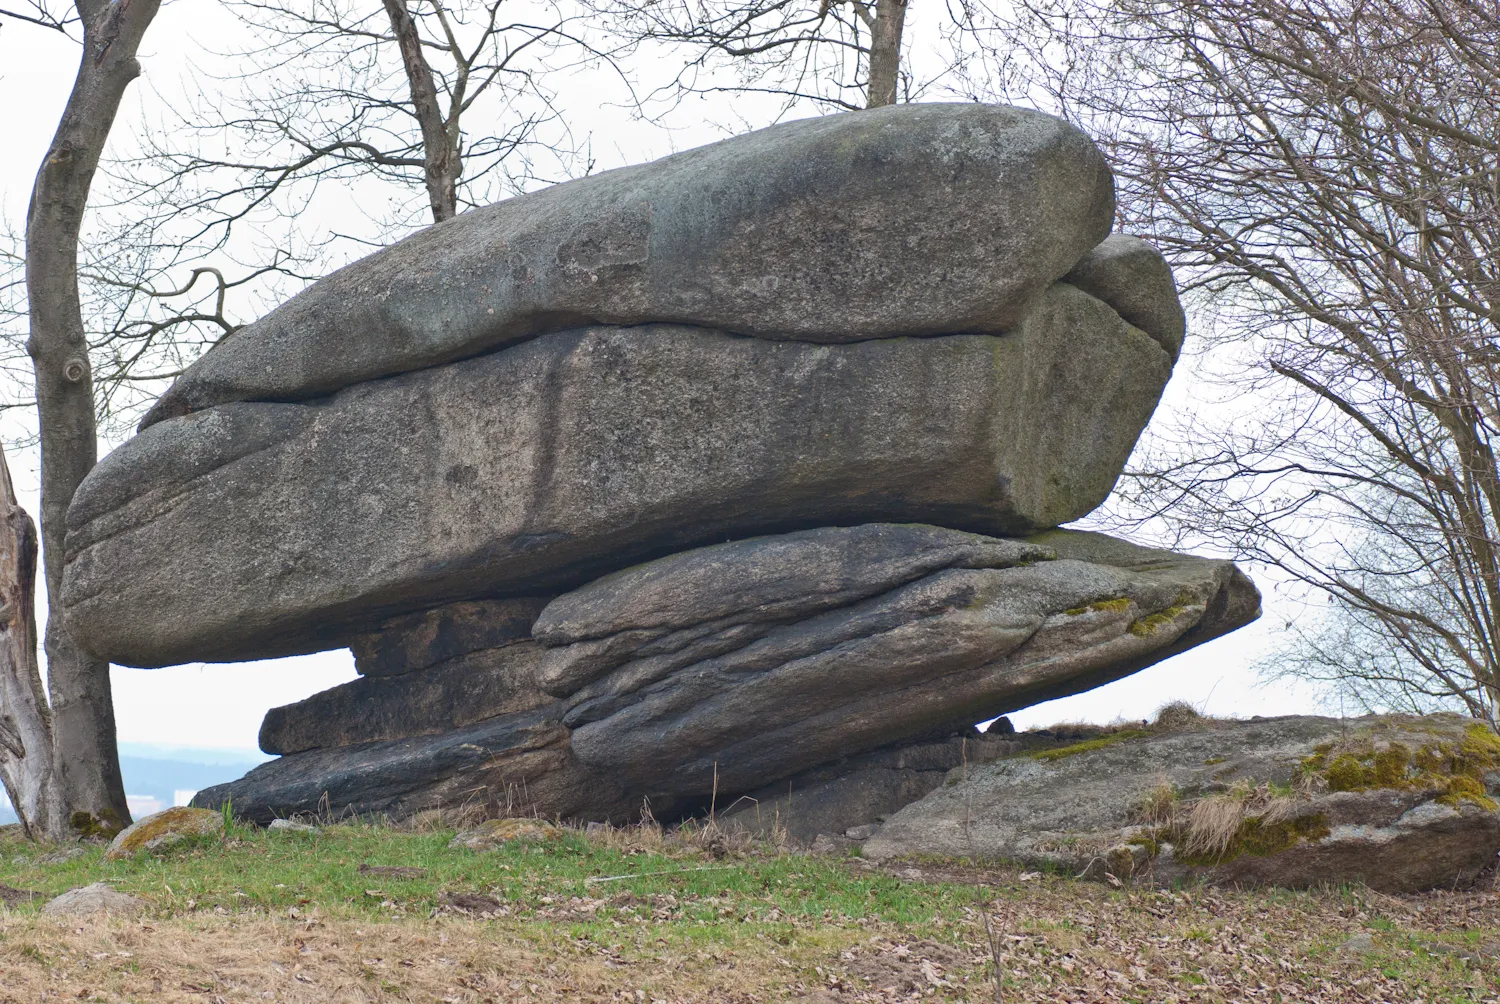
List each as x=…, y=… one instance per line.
x=1152, y=623
x=1455, y=769
x=1118, y=605
x=1051, y=756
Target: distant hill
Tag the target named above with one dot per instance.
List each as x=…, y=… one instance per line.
x=159, y=771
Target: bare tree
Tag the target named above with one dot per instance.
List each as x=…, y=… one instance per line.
x=842, y=54
x=82, y=711
x=1324, y=176
x=381, y=97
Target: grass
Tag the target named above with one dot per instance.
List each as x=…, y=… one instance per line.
x=637, y=915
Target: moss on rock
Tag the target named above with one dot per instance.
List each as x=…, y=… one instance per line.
x=100, y=826
x=1051, y=756
x=1454, y=769
x=164, y=828
x=1257, y=836
x=1119, y=605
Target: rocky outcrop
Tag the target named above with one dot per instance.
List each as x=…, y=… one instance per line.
x=681, y=481
x=253, y=530
x=732, y=667
x=910, y=220
x=1399, y=803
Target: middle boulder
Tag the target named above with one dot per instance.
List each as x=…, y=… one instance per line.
x=256, y=529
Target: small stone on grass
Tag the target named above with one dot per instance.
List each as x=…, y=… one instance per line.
x=95, y=898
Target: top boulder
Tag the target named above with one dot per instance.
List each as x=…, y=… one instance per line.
x=909, y=220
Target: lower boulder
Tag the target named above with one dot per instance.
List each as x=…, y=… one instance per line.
x=1400, y=803
x=518, y=764
x=675, y=705
x=713, y=673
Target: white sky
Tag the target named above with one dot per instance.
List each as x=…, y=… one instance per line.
x=220, y=706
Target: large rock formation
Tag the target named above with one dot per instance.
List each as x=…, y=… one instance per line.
x=901, y=345
x=1399, y=803
x=731, y=667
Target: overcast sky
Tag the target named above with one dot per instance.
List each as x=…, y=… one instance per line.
x=220, y=706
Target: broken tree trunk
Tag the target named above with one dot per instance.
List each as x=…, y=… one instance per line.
x=27, y=767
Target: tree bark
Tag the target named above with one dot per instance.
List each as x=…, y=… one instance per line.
x=82, y=708
x=27, y=765
x=440, y=154
x=885, y=52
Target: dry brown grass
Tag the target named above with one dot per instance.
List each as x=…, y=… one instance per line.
x=1159, y=806
x=1215, y=821
x=1177, y=716
x=231, y=958
x=1058, y=940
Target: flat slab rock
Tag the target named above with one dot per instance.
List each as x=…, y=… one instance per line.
x=806, y=230
x=766, y=658
x=256, y=530
x=450, y=695
x=1371, y=800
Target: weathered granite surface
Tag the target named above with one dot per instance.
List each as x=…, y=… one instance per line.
x=748, y=702
x=256, y=530
x=918, y=219
x=1390, y=814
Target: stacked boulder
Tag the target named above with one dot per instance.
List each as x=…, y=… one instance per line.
x=672, y=483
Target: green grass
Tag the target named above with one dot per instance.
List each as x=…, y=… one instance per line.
x=688, y=916
x=275, y=872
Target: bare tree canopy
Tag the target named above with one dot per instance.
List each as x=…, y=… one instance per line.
x=448, y=97
x=841, y=54
x=1325, y=177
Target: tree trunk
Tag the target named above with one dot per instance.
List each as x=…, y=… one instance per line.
x=885, y=52
x=82, y=709
x=439, y=153
x=26, y=756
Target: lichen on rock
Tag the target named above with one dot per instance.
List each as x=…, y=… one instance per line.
x=164, y=828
